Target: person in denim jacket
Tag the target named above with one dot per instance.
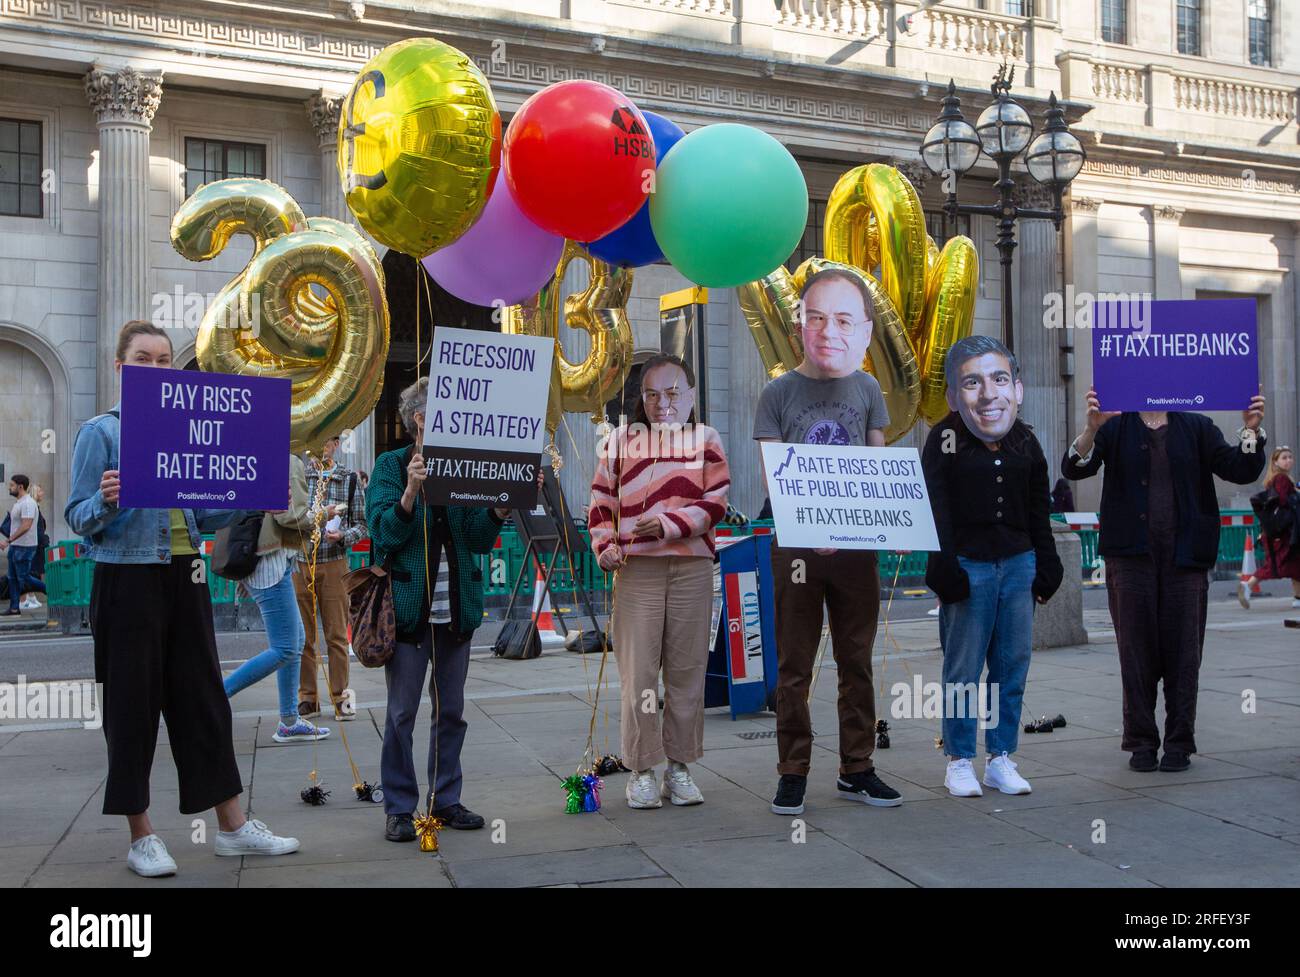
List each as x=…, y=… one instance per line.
x=155, y=650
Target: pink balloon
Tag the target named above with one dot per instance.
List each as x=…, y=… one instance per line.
x=503, y=259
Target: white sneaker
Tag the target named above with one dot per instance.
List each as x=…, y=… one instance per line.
x=148, y=857
x=1000, y=773
x=254, y=838
x=30, y=604
x=678, y=785
x=1295, y=603
x=960, y=779
x=932, y=612
x=346, y=711
x=1243, y=594
x=642, y=793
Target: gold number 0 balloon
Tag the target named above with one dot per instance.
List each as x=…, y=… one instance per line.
x=601, y=311
x=925, y=299
x=271, y=319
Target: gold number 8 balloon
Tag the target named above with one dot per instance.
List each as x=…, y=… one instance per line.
x=309, y=306
x=924, y=298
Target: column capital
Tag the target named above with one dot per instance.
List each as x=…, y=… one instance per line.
x=1083, y=205
x=1167, y=212
x=124, y=95
x=1032, y=194
x=915, y=171
x=324, y=109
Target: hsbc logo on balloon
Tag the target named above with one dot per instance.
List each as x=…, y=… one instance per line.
x=637, y=142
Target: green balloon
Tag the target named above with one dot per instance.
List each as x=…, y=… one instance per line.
x=730, y=204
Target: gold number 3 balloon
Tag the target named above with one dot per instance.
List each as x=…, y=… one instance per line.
x=309, y=306
x=601, y=311
x=924, y=299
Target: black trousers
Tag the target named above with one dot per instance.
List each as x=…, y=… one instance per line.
x=1159, y=614
x=156, y=654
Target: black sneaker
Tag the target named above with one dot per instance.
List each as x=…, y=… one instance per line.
x=789, y=794
x=309, y=710
x=869, y=789
x=459, y=817
x=400, y=827
x=1174, y=761
x=1143, y=761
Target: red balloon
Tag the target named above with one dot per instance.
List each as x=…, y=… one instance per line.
x=577, y=156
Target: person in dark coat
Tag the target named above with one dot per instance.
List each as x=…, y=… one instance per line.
x=1280, y=556
x=1159, y=537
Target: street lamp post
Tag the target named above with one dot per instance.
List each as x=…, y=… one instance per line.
x=1003, y=132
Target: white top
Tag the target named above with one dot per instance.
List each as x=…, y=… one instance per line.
x=24, y=508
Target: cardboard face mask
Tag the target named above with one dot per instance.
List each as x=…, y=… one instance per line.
x=667, y=396
x=987, y=396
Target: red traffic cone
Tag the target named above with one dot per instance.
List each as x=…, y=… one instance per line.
x=542, y=615
x=1248, y=567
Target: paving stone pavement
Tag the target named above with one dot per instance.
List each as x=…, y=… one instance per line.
x=1233, y=819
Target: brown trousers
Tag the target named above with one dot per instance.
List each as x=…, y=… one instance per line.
x=1159, y=614
x=661, y=618
x=847, y=582
x=332, y=605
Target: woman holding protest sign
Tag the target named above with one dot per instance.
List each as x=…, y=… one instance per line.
x=1160, y=537
x=660, y=487
x=281, y=539
x=438, y=602
x=1275, y=509
x=155, y=650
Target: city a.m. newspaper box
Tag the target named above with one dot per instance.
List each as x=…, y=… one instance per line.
x=742, y=665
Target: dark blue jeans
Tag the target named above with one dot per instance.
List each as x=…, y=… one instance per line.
x=994, y=625
x=404, y=675
x=21, y=580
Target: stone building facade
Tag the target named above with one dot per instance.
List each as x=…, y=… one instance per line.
x=109, y=111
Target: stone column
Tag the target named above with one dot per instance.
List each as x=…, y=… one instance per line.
x=1037, y=347
x=1080, y=277
x=124, y=101
x=1165, y=261
x=323, y=110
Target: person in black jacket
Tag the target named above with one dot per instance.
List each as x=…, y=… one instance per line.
x=987, y=478
x=1159, y=535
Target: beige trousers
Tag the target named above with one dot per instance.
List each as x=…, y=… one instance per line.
x=332, y=609
x=661, y=618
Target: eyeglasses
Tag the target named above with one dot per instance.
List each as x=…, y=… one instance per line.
x=845, y=325
x=654, y=396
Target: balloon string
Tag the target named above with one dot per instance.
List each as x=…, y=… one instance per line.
x=422, y=278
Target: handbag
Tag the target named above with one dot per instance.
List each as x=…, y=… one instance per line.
x=518, y=641
x=234, y=550
x=370, y=612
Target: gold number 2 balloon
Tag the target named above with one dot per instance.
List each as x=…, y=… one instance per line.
x=309, y=306
x=924, y=298
x=600, y=310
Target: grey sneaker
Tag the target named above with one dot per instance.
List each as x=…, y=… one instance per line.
x=678, y=786
x=642, y=791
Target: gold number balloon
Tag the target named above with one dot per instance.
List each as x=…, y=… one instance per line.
x=601, y=311
x=309, y=306
x=419, y=145
x=925, y=299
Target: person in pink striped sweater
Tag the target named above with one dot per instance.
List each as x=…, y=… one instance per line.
x=660, y=487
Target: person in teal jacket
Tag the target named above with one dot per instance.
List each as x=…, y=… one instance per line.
x=438, y=602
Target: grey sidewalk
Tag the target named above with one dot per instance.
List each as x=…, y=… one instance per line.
x=1232, y=820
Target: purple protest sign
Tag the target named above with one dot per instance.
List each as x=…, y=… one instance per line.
x=196, y=440
x=1183, y=355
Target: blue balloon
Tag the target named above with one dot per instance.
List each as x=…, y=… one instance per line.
x=633, y=244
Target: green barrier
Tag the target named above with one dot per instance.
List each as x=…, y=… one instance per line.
x=68, y=580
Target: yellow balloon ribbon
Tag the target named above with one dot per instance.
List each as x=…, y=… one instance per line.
x=601, y=311
x=879, y=195
x=949, y=316
x=419, y=145
x=309, y=306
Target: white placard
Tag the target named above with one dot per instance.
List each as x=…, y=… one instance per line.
x=485, y=418
x=846, y=497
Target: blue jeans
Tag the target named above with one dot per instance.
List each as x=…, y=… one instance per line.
x=284, y=630
x=21, y=580
x=404, y=675
x=993, y=625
